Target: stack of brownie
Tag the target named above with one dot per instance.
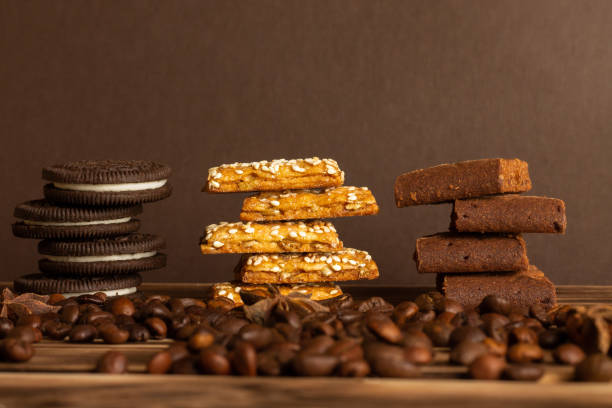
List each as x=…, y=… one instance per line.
x=88, y=230
x=283, y=241
x=484, y=252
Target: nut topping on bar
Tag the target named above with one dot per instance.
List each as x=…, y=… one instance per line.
x=314, y=291
x=348, y=264
x=238, y=237
x=342, y=201
x=278, y=174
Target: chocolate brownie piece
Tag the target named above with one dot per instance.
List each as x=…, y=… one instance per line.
x=509, y=213
x=452, y=253
x=473, y=178
x=523, y=288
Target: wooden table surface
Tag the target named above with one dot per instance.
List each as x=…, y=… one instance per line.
x=59, y=375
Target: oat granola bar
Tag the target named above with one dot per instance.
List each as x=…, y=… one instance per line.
x=239, y=237
x=274, y=175
x=456, y=253
x=467, y=179
x=342, y=201
x=313, y=291
x=348, y=264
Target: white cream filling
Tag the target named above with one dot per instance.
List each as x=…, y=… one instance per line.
x=77, y=224
x=102, y=258
x=112, y=292
x=149, y=185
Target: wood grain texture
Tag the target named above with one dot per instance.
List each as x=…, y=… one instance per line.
x=61, y=374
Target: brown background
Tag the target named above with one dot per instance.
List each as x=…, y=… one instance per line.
x=382, y=86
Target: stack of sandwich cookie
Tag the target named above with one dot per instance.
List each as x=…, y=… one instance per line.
x=283, y=241
x=88, y=230
x=484, y=252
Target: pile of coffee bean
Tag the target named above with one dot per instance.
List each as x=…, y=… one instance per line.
x=344, y=337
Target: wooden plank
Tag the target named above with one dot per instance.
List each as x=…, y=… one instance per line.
x=73, y=390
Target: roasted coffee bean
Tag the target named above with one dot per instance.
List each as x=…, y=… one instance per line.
x=255, y=334
x=348, y=316
x=123, y=321
x=290, y=317
x=495, y=347
x=439, y=332
x=176, y=306
x=414, y=338
x=98, y=318
x=357, y=329
x=494, y=304
x=487, y=367
x=318, y=345
x=569, y=354
x=596, y=367
x=244, y=359
x=26, y=333
x=466, y=333
x=446, y=317
x=425, y=316
x=525, y=353
x=289, y=332
x=221, y=304
x=155, y=308
x=316, y=328
x=314, y=365
x=533, y=324
x=346, y=349
x=56, y=330
x=114, y=335
x=404, y=312
x=425, y=302
x=112, y=362
x=384, y=327
x=494, y=326
x=201, y=339
x=376, y=304
x=94, y=299
x=538, y=311
x=32, y=320
x=268, y=364
x=448, y=306
x=122, y=306
x=185, y=366
x=86, y=308
x=472, y=318
x=516, y=318
x=157, y=298
x=466, y=352
x=395, y=368
x=139, y=333
x=185, y=332
x=6, y=325
x=160, y=363
x=284, y=351
x=177, y=351
x=16, y=349
x=523, y=335
x=552, y=338
x=177, y=322
x=354, y=368
x=418, y=355
x=157, y=327
x=210, y=361
x=523, y=372
x=82, y=333
x=70, y=313
x=56, y=298
x=231, y=325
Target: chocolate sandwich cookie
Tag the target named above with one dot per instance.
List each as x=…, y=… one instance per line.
x=40, y=219
x=107, y=256
x=69, y=286
x=107, y=182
